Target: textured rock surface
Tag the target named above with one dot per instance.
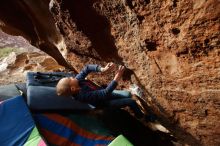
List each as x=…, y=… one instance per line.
x=23, y=58
x=171, y=48
x=13, y=68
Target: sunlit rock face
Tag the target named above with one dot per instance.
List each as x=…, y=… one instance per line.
x=171, y=49
x=17, y=57
x=13, y=68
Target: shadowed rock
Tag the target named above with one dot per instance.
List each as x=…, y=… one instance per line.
x=33, y=20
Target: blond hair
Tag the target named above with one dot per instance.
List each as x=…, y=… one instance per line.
x=63, y=87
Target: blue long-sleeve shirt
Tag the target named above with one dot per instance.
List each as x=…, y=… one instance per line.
x=89, y=95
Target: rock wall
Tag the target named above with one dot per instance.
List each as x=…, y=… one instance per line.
x=170, y=47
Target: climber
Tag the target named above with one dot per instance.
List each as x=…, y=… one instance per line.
x=107, y=97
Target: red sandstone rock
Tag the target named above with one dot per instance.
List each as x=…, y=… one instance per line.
x=171, y=49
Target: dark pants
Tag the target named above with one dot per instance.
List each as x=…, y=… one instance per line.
x=120, y=99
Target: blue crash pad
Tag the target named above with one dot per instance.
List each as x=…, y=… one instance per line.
x=16, y=122
x=45, y=98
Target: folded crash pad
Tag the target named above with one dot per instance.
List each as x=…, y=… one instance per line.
x=45, y=98
x=41, y=93
x=16, y=122
x=45, y=78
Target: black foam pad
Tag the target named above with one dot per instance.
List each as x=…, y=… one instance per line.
x=45, y=98
x=45, y=78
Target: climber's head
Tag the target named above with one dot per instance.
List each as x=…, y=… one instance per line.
x=67, y=86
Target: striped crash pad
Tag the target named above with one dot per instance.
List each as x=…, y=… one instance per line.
x=72, y=130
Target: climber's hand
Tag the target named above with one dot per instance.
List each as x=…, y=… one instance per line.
x=109, y=67
x=119, y=73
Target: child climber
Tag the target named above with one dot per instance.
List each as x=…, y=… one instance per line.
x=102, y=97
